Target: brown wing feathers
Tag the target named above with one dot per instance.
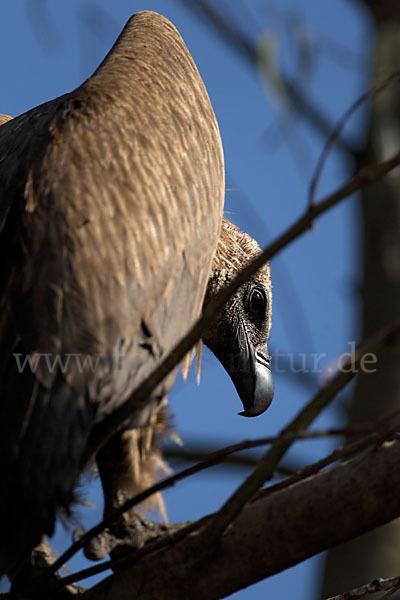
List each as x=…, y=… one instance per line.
x=111, y=206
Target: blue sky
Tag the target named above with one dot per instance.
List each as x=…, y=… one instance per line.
x=315, y=304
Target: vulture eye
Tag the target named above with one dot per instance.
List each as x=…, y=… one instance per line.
x=257, y=302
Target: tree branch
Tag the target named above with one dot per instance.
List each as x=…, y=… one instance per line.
x=208, y=461
x=377, y=585
x=381, y=432
x=272, y=534
x=335, y=133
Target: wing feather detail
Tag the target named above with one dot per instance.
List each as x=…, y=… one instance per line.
x=111, y=202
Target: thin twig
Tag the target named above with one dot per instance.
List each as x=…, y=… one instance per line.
x=337, y=454
x=199, y=452
x=377, y=585
x=195, y=452
x=267, y=465
x=151, y=546
x=334, y=136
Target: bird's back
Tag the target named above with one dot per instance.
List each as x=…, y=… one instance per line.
x=110, y=209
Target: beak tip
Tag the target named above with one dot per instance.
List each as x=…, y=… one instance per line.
x=255, y=410
x=248, y=413
x=263, y=393
x=243, y=414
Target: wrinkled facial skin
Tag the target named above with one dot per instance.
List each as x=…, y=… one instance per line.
x=239, y=341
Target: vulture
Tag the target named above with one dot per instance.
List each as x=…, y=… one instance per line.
x=112, y=239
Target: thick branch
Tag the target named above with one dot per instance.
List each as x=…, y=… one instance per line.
x=272, y=533
x=209, y=460
x=377, y=585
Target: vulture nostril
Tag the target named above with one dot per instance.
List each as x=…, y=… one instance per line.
x=263, y=360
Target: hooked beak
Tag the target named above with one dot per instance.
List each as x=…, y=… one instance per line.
x=253, y=380
x=249, y=368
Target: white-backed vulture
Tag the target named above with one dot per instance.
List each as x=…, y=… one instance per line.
x=111, y=239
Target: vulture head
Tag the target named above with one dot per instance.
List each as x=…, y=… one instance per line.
x=239, y=336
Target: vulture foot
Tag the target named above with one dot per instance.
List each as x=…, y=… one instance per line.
x=123, y=538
